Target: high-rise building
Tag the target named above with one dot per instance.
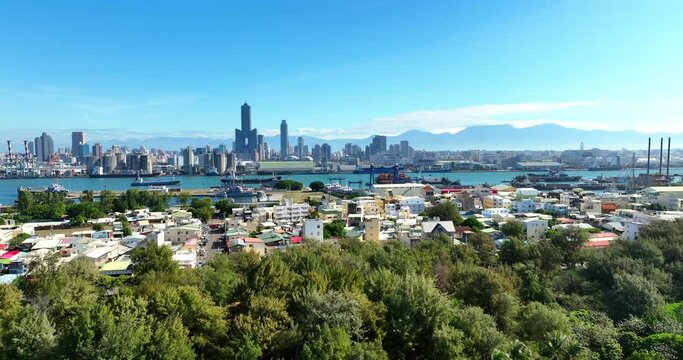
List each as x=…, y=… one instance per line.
x=326, y=152
x=77, y=140
x=316, y=152
x=284, y=141
x=97, y=150
x=379, y=144
x=404, y=148
x=188, y=156
x=44, y=147
x=300, y=147
x=109, y=163
x=246, y=139
x=146, y=163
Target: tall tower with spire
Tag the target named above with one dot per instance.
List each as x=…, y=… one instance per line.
x=246, y=138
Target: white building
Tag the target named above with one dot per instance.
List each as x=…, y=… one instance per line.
x=416, y=204
x=290, y=212
x=524, y=206
x=495, y=211
x=312, y=229
x=535, y=228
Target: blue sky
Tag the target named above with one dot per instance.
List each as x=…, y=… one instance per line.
x=339, y=68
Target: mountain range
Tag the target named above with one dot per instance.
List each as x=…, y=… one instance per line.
x=489, y=137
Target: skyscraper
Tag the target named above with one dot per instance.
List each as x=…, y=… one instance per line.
x=246, y=139
x=77, y=139
x=379, y=144
x=300, y=147
x=44, y=147
x=188, y=156
x=284, y=142
x=97, y=150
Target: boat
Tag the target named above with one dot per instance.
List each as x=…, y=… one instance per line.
x=56, y=189
x=140, y=182
x=550, y=177
x=264, y=181
x=124, y=175
x=385, y=178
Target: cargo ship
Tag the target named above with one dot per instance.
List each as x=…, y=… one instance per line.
x=551, y=177
x=139, y=182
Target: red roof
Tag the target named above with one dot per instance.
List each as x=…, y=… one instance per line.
x=295, y=239
x=10, y=254
x=453, y=190
x=604, y=235
x=596, y=244
x=3, y=246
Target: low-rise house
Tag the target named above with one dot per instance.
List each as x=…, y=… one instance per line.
x=181, y=234
x=494, y=211
x=536, y=228
x=416, y=204
x=248, y=244
x=313, y=229
x=435, y=228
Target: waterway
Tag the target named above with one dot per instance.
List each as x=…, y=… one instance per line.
x=8, y=187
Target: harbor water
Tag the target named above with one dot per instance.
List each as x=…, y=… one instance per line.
x=8, y=187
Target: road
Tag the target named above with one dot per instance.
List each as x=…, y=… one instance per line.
x=214, y=245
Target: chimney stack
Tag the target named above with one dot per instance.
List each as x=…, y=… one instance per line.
x=649, y=143
x=668, y=157
x=661, y=154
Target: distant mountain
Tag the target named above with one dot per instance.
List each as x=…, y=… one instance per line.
x=490, y=137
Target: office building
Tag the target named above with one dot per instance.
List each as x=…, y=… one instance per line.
x=379, y=144
x=300, y=147
x=284, y=142
x=97, y=150
x=188, y=156
x=246, y=138
x=146, y=163
x=77, y=140
x=44, y=147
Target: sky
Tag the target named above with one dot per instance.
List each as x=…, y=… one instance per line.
x=338, y=69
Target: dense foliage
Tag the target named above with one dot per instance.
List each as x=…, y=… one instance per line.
x=288, y=185
x=54, y=206
x=360, y=300
x=317, y=186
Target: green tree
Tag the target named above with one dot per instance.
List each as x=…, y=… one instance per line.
x=633, y=295
x=170, y=340
x=17, y=240
x=485, y=248
x=225, y=207
x=183, y=197
x=473, y=223
x=29, y=335
x=98, y=227
x=317, y=186
x=480, y=335
x=329, y=344
x=335, y=229
x=288, y=185
x=153, y=258
x=569, y=241
x=416, y=314
x=446, y=211
x=513, y=228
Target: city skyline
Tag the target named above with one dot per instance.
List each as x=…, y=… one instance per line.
x=443, y=65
